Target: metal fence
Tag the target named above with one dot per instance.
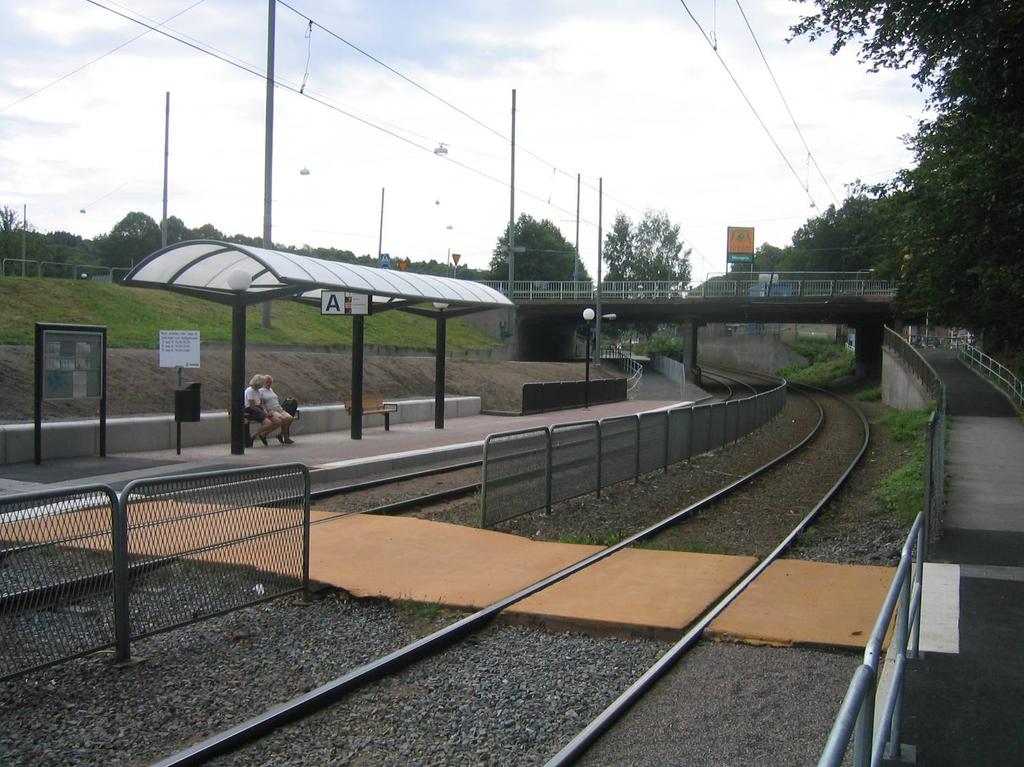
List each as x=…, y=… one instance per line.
x=83, y=569
x=869, y=690
x=996, y=372
x=516, y=474
x=734, y=285
x=575, y=460
x=56, y=580
x=531, y=469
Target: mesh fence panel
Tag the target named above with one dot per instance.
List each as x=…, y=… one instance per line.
x=56, y=576
x=618, y=449
x=679, y=422
x=204, y=544
x=732, y=421
x=653, y=433
x=515, y=475
x=699, y=431
x=574, y=460
x=746, y=416
x=716, y=426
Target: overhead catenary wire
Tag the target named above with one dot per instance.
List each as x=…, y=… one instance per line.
x=749, y=103
x=785, y=103
x=89, y=63
x=323, y=102
x=554, y=166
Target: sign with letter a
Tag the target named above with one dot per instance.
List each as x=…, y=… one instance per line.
x=340, y=302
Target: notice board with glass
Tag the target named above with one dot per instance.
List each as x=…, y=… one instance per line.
x=70, y=365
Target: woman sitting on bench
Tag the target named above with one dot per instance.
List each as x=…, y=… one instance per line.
x=257, y=413
x=272, y=404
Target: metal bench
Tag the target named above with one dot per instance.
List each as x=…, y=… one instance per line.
x=374, y=405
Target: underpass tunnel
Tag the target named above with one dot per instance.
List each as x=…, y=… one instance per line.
x=868, y=349
x=547, y=338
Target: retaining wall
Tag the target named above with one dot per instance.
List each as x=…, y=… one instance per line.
x=760, y=353
x=900, y=388
x=135, y=434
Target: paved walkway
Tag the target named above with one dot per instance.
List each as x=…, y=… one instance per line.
x=962, y=708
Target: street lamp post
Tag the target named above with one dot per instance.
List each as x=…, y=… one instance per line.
x=588, y=317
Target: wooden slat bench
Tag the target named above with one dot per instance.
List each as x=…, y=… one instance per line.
x=374, y=405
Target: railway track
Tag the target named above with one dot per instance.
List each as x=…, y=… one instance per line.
x=330, y=694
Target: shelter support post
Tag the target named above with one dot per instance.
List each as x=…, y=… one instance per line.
x=358, y=327
x=237, y=378
x=439, y=372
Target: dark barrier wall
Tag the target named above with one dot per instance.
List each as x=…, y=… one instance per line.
x=562, y=395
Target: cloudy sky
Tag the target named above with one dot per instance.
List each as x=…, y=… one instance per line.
x=631, y=92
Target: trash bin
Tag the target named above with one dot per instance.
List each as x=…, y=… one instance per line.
x=186, y=403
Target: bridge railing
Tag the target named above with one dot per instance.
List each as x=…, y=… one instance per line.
x=812, y=285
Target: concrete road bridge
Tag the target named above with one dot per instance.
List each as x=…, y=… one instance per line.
x=548, y=316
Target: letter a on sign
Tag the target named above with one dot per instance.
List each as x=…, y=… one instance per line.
x=331, y=304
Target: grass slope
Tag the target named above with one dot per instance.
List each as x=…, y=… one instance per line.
x=135, y=316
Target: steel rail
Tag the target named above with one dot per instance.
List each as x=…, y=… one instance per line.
x=317, y=699
x=369, y=484
x=598, y=726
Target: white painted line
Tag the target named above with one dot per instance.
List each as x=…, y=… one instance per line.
x=395, y=456
x=940, y=610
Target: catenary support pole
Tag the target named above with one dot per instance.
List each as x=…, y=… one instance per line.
x=167, y=139
x=600, y=206
x=268, y=147
x=512, y=205
x=439, y=371
x=576, y=263
x=356, y=415
x=380, y=235
x=237, y=377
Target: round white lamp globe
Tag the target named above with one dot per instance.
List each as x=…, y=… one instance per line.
x=588, y=314
x=239, y=280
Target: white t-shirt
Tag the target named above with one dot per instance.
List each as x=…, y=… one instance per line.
x=269, y=399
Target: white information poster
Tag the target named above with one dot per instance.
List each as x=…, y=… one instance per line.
x=179, y=348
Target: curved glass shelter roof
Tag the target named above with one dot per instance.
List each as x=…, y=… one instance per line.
x=209, y=268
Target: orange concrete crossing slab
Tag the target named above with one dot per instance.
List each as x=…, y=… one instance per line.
x=405, y=558
x=639, y=591
x=636, y=591
x=815, y=603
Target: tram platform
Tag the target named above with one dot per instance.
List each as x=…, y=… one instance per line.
x=330, y=456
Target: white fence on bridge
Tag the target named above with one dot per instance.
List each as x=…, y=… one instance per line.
x=809, y=285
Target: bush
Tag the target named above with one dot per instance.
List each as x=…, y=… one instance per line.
x=828, y=361
x=669, y=346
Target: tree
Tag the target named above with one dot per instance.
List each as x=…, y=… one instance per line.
x=132, y=239
x=649, y=251
x=547, y=255
x=10, y=245
x=205, y=232
x=958, y=212
x=618, y=248
x=862, y=234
